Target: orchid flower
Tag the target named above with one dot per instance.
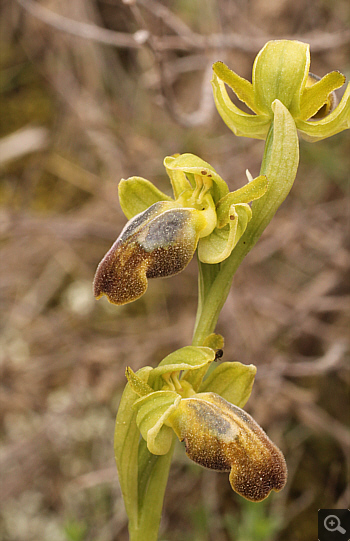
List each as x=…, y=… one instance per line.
x=281, y=72
x=163, y=233
x=207, y=416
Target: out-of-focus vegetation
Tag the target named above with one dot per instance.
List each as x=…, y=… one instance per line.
x=76, y=116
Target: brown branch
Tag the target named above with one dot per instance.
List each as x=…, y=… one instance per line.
x=205, y=108
x=81, y=29
x=314, y=416
x=169, y=18
x=332, y=360
x=202, y=114
x=185, y=42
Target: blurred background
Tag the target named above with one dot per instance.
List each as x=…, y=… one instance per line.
x=96, y=90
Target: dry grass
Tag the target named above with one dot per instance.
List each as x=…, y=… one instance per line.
x=78, y=115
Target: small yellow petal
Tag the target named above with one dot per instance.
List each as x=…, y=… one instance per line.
x=336, y=122
x=241, y=123
x=241, y=87
x=318, y=97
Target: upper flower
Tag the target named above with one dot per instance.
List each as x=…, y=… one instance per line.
x=281, y=71
x=163, y=232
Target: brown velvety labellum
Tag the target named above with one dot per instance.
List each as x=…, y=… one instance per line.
x=154, y=244
x=221, y=436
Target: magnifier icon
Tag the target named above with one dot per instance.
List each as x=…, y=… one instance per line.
x=332, y=524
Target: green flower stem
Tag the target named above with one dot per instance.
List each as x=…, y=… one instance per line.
x=280, y=164
x=207, y=275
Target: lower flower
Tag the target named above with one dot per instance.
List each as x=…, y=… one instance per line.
x=217, y=433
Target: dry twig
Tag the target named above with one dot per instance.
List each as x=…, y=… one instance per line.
x=319, y=41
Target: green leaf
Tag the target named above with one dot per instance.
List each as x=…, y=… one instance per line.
x=146, y=463
x=280, y=164
x=233, y=381
x=152, y=412
x=136, y=194
x=154, y=473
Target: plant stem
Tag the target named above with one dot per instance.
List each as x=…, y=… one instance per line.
x=280, y=163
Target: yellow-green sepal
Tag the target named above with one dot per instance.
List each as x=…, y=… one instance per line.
x=219, y=244
x=152, y=412
x=178, y=179
x=214, y=341
x=188, y=359
x=280, y=72
x=233, y=381
x=194, y=168
x=137, y=194
x=138, y=384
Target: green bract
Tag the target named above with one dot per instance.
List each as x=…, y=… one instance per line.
x=281, y=71
x=163, y=233
x=207, y=415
